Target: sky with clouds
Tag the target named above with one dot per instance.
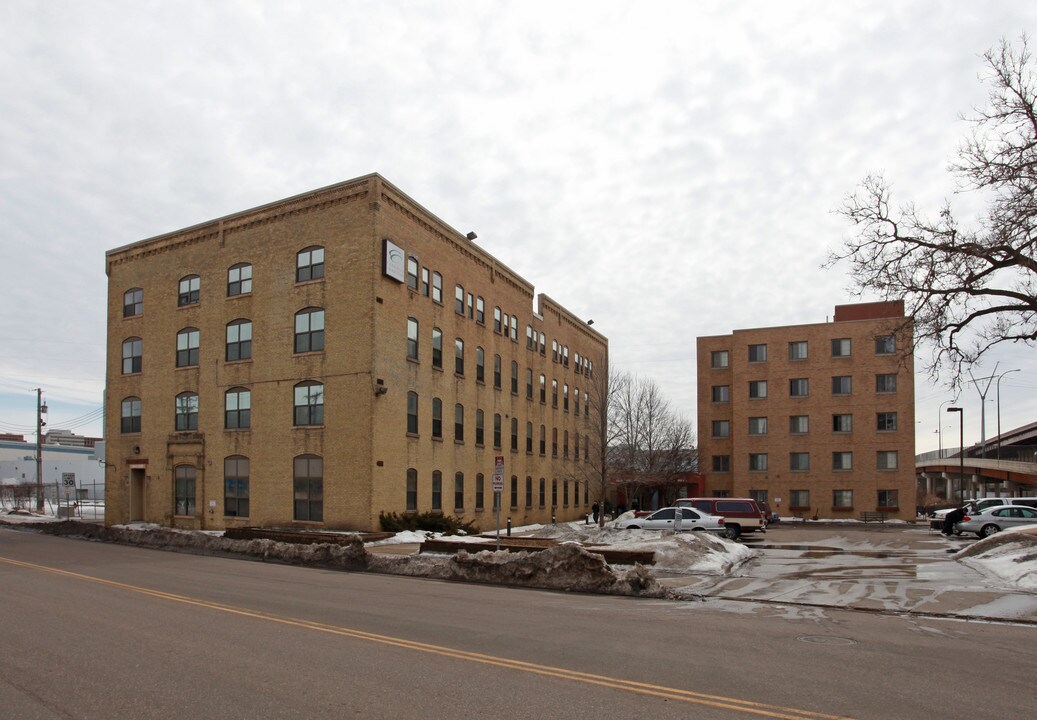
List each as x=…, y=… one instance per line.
x=668, y=169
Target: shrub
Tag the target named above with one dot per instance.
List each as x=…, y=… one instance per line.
x=433, y=522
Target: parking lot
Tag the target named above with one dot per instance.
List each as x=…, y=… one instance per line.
x=874, y=567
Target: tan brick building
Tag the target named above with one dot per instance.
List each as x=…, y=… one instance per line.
x=815, y=419
x=338, y=354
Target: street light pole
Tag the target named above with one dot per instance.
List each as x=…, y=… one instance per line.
x=961, y=449
x=939, y=422
x=999, y=410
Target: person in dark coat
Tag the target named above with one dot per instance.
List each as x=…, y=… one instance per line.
x=951, y=519
x=594, y=509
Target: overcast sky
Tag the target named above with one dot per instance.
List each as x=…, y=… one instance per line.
x=668, y=169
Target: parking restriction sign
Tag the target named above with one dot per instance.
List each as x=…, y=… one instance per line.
x=498, y=474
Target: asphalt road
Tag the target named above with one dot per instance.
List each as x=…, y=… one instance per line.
x=91, y=630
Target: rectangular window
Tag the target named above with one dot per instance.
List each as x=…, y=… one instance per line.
x=529, y=491
x=480, y=311
x=799, y=499
x=239, y=340
x=799, y=461
x=412, y=413
x=888, y=500
x=496, y=430
x=886, y=383
x=798, y=350
x=459, y=423
x=239, y=280
x=437, y=418
x=842, y=385
x=886, y=421
x=458, y=356
x=424, y=282
x=190, y=288
x=842, y=423
x=721, y=428
x=842, y=461
x=886, y=460
x=758, y=389
x=721, y=463
x=412, y=272
x=885, y=345
x=308, y=488
x=718, y=359
x=841, y=347
x=799, y=424
x=458, y=491
x=757, y=426
x=459, y=299
x=412, y=339
x=235, y=486
x=757, y=461
x=480, y=492
x=184, y=496
x=799, y=387
x=842, y=499
x=514, y=491
x=480, y=435
x=721, y=393
x=437, y=288
x=757, y=353
x=133, y=303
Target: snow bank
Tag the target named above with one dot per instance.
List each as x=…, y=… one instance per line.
x=1010, y=556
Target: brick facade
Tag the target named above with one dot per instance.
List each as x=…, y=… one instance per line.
x=787, y=441
x=362, y=441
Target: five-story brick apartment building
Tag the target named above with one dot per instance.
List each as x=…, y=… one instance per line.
x=817, y=420
x=323, y=359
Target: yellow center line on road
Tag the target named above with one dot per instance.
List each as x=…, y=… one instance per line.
x=718, y=701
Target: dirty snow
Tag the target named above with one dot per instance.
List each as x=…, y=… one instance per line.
x=1010, y=556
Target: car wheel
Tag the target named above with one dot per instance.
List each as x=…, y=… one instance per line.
x=633, y=527
x=988, y=530
x=732, y=532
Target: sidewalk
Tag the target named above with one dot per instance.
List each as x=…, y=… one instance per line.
x=891, y=568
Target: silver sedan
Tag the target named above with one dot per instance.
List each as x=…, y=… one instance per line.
x=995, y=519
x=666, y=519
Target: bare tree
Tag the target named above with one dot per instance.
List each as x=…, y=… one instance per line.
x=601, y=459
x=968, y=289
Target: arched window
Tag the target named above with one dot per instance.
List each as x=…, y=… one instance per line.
x=239, y=340
x=412, y=338
x=132, y=355
x=133, y=302
x=309, y=330
x=183, y=490
x=309, y=403
x=130, y=415
x=480, y=365
x=459, y=423
x=309, y=264
x=308, y=488
x=239, y=279
x=437, y=418
x=459, y=356
x=437, y=348
x=186, y=411
x=190, y=291
x=188, y=342
x=412, y=490
x=459, y=491
x=437, y=490
x=412, y=413
x=237, y=408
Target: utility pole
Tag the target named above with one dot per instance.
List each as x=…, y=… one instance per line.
x=983, y=408
x=40, y=409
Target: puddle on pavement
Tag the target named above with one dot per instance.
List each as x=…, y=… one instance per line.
x=820, y=551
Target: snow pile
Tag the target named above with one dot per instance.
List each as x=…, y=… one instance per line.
x=1010, y=556
x=698, y=552
x=565, y=567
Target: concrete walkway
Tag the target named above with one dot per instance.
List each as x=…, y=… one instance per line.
x=892, y=568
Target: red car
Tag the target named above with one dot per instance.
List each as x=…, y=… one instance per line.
x=741, y=515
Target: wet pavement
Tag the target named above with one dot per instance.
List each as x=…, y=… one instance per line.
x=892, y=568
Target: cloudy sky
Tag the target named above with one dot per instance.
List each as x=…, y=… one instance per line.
x=667, y=169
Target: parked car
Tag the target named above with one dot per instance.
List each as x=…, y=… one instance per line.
x=995, y=519
x=741, y=515
x=980, y=504
x=665, y=519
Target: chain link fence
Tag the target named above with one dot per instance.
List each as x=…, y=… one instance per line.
x=85, y=501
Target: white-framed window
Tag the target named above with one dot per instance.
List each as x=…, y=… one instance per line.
x=186, y=411
x=239, y=340
x=237, y=409
x=309, y=403
x=188, y=343
x=130, y=415
x=133, y=302
x=412, y=272
x=132, y=355
x=437, y=288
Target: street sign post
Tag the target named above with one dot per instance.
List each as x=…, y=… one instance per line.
x=498, y=488
x=68, y=480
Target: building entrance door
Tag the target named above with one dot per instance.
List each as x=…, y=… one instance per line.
x=136, y=494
